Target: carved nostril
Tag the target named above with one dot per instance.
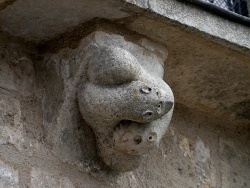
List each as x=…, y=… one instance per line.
x=148, y=114
x=146, y=90
x=159, y=108
x=159, y=105
x=137, y=139
x=152, y=137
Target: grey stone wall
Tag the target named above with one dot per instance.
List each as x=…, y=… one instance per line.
x=45, y=141
x=42, y=147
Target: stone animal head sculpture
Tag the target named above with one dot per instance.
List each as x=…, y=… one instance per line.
x=126, y=103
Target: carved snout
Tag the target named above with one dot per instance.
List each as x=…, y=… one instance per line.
x=137, y=101
x=158, y=102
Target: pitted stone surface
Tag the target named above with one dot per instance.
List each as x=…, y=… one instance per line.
x=116, y=78
x=198, y=150
x=120, y=87
x=15, y=93
x=42, y=179
x=203, y=75
x=8, y=176
x=41, y=20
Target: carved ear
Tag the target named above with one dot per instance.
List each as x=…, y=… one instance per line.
x=113, y=66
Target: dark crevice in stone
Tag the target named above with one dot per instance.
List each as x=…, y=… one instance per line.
x=6, y=3
x=242, y=109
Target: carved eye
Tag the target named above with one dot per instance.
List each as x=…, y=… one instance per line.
x=137, y=139
x=159, y=108
x=152, y=137
x=146, y=90
x=148, y=114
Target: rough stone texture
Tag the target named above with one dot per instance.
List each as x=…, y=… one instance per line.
x=22, y=145
x=199, y=19
x=41, y=179
x=101, y=91
x=8, y=176
x=207, y=143
x=216, y=78
x=39, y=20
x=196, y=152
x=42, y=20
x=5, y=3
x=121, y=85
x=17, y=94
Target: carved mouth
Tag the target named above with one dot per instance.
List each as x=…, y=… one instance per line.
x=132, y=138
x=123, y=124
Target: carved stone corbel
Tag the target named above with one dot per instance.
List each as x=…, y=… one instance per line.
x=124, y=98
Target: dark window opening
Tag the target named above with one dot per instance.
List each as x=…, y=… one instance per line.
x=236, y=6
x=235, y=10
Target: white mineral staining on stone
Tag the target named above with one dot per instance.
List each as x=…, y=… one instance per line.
x=41, y=179
x=202, y=152
x=8, y=176
x=184, y=146
x=126, y=103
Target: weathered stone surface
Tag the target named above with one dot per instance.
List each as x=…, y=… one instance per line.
x=203, y=75
x=232, y=158
x=118, y=81
x=196, y=152
x=11, y=125
x=8, y=176
x=6, y=71
x=195, y=17
x=36, y=21
x=121, y=88
x=43, y=22
x=207, y=145
x=15, y=125
x=19, y=68
x=139, y=3
x=170, y=166
x=42, y=179
x=5, y=3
